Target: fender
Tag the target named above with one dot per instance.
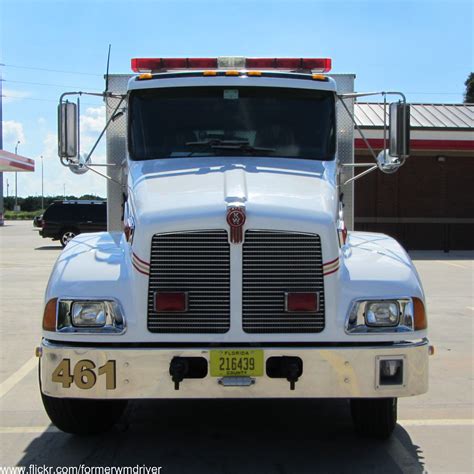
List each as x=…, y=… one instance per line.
x=376, y=266
x=93, y=265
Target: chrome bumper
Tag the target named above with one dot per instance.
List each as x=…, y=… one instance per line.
x=328, y=372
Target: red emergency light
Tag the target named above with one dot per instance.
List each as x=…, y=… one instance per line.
x=291, y=64
x=313, y=64
x=157, y=64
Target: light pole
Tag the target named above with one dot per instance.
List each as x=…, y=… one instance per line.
x=42, y=185
x=16, y=179
x=8, y=187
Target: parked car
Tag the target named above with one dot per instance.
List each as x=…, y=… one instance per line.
x=63, y=220
x=38, y=221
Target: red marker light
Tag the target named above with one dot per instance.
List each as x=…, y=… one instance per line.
x=298, y=302
x=171, y=302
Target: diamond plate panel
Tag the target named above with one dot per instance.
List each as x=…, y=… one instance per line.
x=116, y=153
x=345, y=143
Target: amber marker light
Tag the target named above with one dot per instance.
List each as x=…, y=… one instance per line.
x=209, y=73
x=232, y=73
x=145, y=76
x=319, y=77
x=254, y=73
x=49, y=315
x=421, y=321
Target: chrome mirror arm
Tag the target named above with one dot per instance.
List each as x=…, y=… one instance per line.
x=113, y=117
x=355, y=95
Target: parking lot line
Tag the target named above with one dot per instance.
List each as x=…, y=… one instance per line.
x=17, y=376
x=28, y=429
x=452, y=264
x=439, y=422
x=53, y=429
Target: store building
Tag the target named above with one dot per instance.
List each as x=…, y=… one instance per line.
x=429, y=202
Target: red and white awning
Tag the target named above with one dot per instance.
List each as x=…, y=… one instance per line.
x=426, y=140
x=434, y=127
x=12, y=162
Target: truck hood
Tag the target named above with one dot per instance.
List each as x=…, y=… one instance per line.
x=193, y=193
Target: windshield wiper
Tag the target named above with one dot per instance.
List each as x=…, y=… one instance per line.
x=217, y=141
x=231, y=145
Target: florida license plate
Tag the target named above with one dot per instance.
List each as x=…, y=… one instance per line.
x=237, y=363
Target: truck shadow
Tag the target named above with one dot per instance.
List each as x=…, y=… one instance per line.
x=232, y=436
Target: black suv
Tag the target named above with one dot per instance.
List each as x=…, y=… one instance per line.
x=63, y=220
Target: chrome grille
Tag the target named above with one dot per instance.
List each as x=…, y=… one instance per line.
x=275, y=263
x=197, y=263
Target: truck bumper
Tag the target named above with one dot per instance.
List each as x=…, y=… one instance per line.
x=328, y=372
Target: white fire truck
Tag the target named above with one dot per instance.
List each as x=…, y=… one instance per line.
x=227, y=270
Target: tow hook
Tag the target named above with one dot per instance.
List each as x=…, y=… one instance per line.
x=187, y=368
x=179, y=367
x=289, y=368
x=292, y=370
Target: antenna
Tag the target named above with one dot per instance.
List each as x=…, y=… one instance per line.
x=107, y=71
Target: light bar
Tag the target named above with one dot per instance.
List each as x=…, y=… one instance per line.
x=141, y=65
x=159, y=64
x=312, y=64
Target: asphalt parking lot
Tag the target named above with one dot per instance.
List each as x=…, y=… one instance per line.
x=434, y=434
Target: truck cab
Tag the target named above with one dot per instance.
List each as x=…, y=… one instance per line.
x=230, y=272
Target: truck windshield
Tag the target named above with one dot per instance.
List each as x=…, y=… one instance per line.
x=208, y=121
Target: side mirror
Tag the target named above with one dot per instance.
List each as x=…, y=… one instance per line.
x=68, y=128
x=387, y=163
x=399, y=130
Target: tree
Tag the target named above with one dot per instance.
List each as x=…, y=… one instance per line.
x=469, y=94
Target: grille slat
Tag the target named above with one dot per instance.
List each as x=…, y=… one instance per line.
x=275, y=263
x=199, y=264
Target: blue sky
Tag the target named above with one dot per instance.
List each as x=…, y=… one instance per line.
x=424, y=48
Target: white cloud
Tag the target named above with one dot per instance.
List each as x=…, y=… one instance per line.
x=12, y=132
x=93, y=120
x=10, y=95
x=57, y=176
x=42, y=141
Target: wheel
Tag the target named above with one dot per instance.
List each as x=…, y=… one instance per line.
x=374, y=417
x=67, y=235
x=82, y=417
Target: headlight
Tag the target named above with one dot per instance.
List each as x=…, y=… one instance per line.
x=378, y=316
x=382, y=313
x=88, y=314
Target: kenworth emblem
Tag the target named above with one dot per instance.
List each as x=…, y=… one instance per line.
x=236, y=221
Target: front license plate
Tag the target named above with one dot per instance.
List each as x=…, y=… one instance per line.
x=237, y=363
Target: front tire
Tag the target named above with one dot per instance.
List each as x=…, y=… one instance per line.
x=83, y=417
x=374, y=417
x=67, y=235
